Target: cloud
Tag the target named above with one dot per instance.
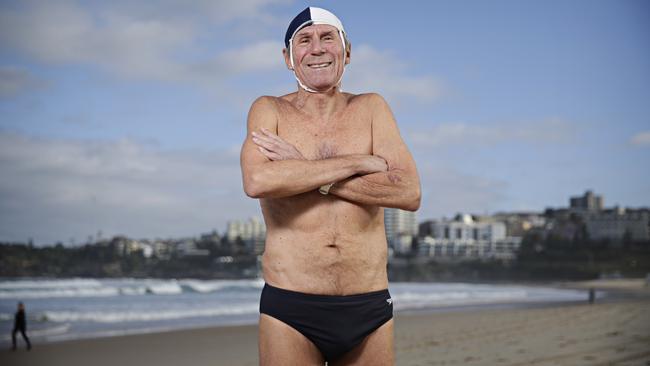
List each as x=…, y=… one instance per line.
x=217, y=12
x=447, y=191
x=62, y=32
x=15, y=80
x=188, y=42
x=137, y=41
x=641, y=139
x=373, y=70
x=256, y=57
x=552, y=130
x=55, y=189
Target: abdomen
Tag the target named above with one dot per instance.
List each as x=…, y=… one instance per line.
x=327, y=247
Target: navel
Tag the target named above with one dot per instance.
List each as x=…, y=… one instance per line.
x=332, y=242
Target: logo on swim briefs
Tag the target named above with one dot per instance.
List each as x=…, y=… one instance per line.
x=389, y=301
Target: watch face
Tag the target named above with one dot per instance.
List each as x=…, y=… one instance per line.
x=325, y=188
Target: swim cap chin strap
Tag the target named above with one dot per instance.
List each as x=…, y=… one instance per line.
x=338, y=83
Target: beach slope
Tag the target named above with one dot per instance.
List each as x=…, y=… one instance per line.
x=612, y=333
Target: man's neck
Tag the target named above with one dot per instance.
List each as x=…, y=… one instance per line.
x=322, y=105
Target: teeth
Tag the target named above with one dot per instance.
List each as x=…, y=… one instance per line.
x=318, y=66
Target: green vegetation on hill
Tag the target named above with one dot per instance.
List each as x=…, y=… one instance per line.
x=539, y=259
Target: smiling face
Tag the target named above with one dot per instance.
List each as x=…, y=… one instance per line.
x=318, y=56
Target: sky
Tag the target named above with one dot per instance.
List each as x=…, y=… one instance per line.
x=127, y=117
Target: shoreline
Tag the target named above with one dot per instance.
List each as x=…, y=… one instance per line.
x=568, y=334
x=606, y=291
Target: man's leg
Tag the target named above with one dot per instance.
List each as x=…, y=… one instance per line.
x=13, y=338
x=280, y=344
x=29, y=345
x=376, y=349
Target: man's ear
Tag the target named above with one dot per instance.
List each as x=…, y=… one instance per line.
x=348, y=52
x=287, y=60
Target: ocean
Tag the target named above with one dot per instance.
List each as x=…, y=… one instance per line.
x=76, y=308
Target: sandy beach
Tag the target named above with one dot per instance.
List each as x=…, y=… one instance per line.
x=612, y=332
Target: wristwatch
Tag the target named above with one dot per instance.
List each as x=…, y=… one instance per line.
x=325, y=188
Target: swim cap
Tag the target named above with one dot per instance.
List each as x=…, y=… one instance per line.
x=307, y=17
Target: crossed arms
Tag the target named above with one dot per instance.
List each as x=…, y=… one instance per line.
x=273, y=168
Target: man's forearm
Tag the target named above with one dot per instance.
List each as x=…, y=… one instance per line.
x=393, y=188
x=285, y=178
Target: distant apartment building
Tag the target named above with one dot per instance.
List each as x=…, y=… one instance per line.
x=518, y=223
x=601, y=223
x=618, y=224
x=188, y=248
x=401, y=227
x=589, y=202
x=126, y=246
x=252, y=232
x=161, y=249
x=465, y=238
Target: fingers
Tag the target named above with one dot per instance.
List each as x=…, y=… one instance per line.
x=273, y=136
x=264, y=142
x=270, y=141
x=381, y=157
x=274, y=146
x=266, y=137
x=269, y=154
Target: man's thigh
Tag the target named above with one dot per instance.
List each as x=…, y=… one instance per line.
x=280, y=344
x=376, y=349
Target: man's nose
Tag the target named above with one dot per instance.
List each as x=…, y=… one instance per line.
x=317, y=47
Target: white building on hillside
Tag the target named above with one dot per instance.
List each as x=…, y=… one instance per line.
x=252, y=232
x=617, y=223
x=401, y=228
x=464, y=238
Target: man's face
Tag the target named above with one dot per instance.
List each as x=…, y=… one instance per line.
x=318, y=56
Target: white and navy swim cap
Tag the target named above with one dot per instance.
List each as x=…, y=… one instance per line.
x=307, y=17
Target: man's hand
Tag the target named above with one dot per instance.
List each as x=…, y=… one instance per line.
x=373, y=164
x=274, y=147
x=274, y=168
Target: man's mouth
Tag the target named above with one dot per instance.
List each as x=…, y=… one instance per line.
x=319, y=65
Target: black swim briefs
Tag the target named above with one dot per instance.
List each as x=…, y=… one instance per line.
x=335, y=324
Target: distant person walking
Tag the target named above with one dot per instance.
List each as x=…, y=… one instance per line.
x=20, y=324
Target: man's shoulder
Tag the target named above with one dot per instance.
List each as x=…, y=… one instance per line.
x=265, y=101
x=272, y=102
x=371, y=99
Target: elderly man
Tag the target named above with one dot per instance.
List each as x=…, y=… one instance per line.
x=323, y=164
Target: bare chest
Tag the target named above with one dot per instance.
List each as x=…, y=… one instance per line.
x=349, y=132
